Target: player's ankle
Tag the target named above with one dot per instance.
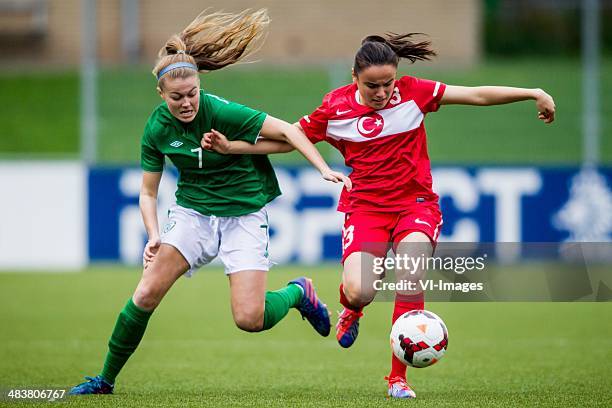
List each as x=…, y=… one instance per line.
x=394, y=377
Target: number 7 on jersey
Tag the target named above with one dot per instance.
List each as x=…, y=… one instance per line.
x=199, y=150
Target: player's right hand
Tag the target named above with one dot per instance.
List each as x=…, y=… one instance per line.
x=546, y=107
x=150, y=251
x=337, y=177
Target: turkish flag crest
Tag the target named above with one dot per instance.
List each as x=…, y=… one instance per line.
x=370, y=125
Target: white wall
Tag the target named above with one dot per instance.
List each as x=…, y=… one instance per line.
x=43, y=215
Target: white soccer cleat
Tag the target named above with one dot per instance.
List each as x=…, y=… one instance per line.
x=398, y=388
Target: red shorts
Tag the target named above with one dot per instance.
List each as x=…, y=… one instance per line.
x=375, y=232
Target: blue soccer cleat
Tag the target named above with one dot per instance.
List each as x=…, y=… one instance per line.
x=93, y=385
x=311, y=308
x=347, y=328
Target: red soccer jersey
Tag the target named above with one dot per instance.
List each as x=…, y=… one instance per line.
x=385, y=148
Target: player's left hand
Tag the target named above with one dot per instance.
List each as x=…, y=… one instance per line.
x=337, y=177
x=546, y=107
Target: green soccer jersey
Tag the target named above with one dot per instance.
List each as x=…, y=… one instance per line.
x=209, y=182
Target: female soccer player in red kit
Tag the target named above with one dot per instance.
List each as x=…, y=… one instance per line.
x=377, y=123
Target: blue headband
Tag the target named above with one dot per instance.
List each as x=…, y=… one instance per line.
x=176, y=65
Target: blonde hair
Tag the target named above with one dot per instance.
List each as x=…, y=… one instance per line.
x=212, y=42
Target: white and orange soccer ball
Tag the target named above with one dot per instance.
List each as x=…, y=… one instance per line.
x=419, y=338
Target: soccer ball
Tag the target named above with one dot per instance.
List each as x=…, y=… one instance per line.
x=419, y=338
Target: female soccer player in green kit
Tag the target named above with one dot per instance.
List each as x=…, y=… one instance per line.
x=220, y=199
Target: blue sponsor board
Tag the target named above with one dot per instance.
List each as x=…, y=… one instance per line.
x=106, y=201
x=487, y=204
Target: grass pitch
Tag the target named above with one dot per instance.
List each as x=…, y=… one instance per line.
x=55, y=328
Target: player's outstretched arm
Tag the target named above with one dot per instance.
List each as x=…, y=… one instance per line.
x=148, y=209
x=277, y=129
x=279, y=137
x=498, y=95
x=215, y=140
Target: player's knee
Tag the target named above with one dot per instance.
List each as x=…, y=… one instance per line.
x=147, y=297
x=357, y=295
x=249, y=321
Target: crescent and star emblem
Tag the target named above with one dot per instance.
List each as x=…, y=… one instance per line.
x=371, y=125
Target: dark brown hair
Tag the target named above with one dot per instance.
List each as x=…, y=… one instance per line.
x=379, y=50
x=213, y=41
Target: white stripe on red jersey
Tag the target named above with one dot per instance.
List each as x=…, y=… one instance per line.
x=386, y=122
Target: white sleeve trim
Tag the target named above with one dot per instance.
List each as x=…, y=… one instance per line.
x=436, y=89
